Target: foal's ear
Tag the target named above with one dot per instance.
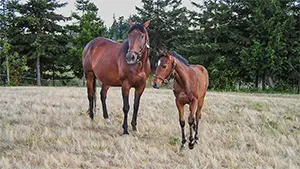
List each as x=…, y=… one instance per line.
x=130, y=23
x=169, y=56
x=159, y=52
x=146, y=24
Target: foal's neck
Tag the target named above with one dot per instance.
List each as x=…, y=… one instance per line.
x=181, y=74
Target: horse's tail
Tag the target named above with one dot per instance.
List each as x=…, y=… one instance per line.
x=94, y=91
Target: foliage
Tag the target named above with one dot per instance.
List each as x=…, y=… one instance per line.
x=245, y=45
x=250, y=41
x=118, y=30
x=15, y=64
x=86, y=27
x=168, y=27
x=34, y=32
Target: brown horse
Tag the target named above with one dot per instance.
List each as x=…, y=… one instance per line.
x=118, y=64
x=190, y=85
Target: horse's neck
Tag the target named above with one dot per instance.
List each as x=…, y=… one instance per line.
x=145, y=57
x=181, y=76
x=147, y=51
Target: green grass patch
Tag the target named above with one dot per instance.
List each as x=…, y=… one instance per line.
x=97, y=148
x=257, y=106
x=173, y=141
x=31, y=140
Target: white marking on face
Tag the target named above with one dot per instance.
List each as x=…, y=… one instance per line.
x=158, y=63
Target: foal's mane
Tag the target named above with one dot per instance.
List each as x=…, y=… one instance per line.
x=180, y=58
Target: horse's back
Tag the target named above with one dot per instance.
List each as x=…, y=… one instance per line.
x=96, y=49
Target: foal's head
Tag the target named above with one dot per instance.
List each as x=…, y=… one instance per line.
x=138, y=42
x=165, y=67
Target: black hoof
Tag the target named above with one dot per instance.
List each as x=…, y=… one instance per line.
x=134, y=128
x=125, y=132
x=92, y=116
x=191, y=146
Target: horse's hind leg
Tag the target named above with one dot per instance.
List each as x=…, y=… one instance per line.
x=182, y=122
x=103, y=95
x=198, y=117
x=91, y=90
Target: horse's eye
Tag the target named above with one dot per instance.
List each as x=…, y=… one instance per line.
x=163, y=66
x=142, y=36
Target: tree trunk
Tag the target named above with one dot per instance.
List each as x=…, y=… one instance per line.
x=256, y=80
x=298, y=85
x=271, y=82
x=38, y=71
x=263, y=81
x=53, y=75
x=7, y=71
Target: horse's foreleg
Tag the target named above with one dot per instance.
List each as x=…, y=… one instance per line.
x=181, y=122
x=91, y=89
x=198, y=116
x=137, y=96
x=191, y=121
x=125, y=95
x=103, y=95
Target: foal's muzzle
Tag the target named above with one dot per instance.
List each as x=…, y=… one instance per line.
x=131, y=58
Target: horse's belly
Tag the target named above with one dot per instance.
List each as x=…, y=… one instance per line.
x=107, y=75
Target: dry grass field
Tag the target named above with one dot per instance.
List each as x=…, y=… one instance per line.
x=47, y=127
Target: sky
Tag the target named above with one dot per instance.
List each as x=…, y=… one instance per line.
x=107, y=8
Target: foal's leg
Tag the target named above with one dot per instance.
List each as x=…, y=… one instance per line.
x=198, y=116
x=125, y=95
x=103, y=95
x=191, y=121
x=181, y=122
x=137, y=96
x=91, y=90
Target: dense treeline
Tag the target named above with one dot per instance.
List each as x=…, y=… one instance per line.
x=245, y=44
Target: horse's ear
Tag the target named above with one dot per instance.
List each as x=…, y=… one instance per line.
x=130, y=22
x=146, y=24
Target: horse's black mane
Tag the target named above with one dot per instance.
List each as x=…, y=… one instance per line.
x=140, y=27
x=126, y=46
x=180, y=58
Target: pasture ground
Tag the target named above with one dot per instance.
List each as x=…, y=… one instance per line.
x=47, y=127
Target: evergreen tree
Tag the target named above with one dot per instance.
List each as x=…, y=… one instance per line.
x=118, y=29
x=86, y=27
x=35, y=33
x=13, y=64
x=242, y=41
x=169, y=25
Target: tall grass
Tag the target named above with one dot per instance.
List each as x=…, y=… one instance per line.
x=47, y=127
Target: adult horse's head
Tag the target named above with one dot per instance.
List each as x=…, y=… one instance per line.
x=165, y=68
x=138, y=41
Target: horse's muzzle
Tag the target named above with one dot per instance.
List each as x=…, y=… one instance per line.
x=156, y=85
x=131, y=58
